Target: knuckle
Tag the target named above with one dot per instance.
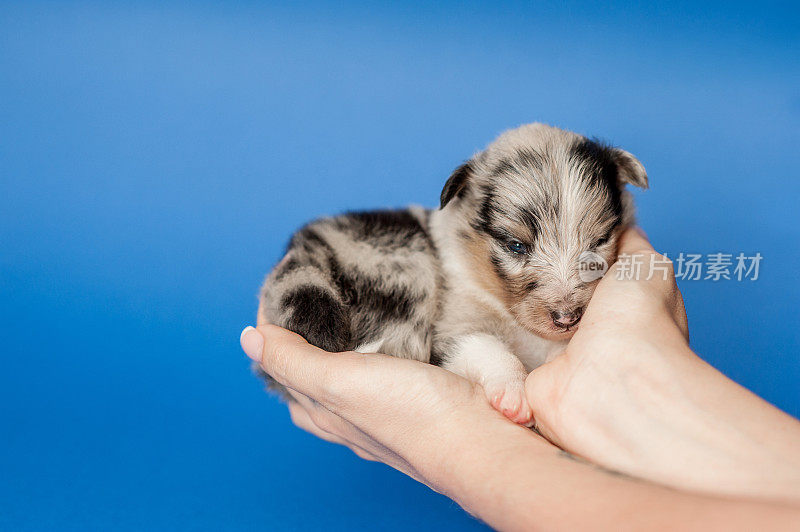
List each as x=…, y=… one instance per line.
x=323, y=420
x=363, y=454
x=296, y=416
x=664, y=260
x=279, y=362
x=328, y=384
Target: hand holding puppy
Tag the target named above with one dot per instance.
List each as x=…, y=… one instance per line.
x=628, y=394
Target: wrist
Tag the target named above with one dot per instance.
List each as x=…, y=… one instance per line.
x=486, y=470
x=678, y=421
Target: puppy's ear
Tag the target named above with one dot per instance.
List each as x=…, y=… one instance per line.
x=629, y=169
x=456, y=186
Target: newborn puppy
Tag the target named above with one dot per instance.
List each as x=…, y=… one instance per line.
x=487, y=286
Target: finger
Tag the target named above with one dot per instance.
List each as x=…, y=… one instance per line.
x=322, y=418
x=543, y=393
x=327, y=421
x=321, y=422
x=309, y=405
x=638, y=260
x=260, y=318
x=302, y=419
x=680, y=315
x=290, y=360
x=633, y=241
x=361, y=453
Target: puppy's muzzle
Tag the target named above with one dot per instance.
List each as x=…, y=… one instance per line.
x=564, y=319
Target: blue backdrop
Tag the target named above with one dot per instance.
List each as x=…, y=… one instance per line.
x=154, y=160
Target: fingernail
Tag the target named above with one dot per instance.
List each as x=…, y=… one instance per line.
x=252, y=343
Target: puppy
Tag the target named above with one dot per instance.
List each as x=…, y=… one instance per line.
x=488, y=285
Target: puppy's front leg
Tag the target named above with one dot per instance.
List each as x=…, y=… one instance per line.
x=485, y=359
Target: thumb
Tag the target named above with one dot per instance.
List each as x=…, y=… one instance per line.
x=288, y=358
x=543, y=392
x=633, y=241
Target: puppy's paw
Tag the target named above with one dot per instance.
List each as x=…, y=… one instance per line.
x=509, y=399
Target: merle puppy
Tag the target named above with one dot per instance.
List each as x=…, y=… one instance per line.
x=486, y=286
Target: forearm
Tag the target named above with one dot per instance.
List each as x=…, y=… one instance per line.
x=726, y=439
x=515, y=480
x=678, y=421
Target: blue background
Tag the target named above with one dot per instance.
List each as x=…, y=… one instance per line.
x=154, y=160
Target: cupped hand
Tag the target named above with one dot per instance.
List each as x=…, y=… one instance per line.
x=405, y=413
x=629, y=394
x=439, y=429
x=633, y=328
x=397, y=411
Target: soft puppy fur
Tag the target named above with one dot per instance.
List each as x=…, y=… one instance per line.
x=486, y=286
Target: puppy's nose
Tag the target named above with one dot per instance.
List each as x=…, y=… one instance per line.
x=566, y=319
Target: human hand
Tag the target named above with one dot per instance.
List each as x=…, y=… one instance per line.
x=439, y=429
x=626, y=327
x=409, y=415
x=629, y=394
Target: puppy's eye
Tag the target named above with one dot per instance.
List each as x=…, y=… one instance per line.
x=600, y=241
x=515, y=246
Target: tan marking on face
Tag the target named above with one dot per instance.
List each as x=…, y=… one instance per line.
x=528, y=310
x=478, y=253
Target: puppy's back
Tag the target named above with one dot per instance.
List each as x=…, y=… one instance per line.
x=365, y=281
